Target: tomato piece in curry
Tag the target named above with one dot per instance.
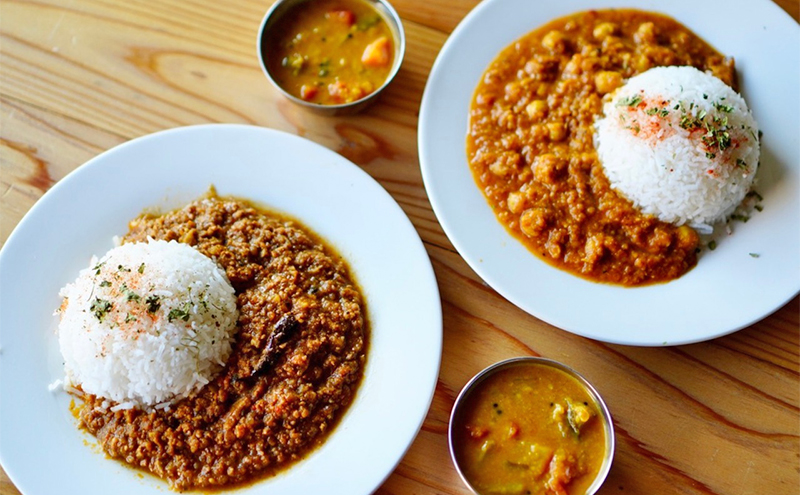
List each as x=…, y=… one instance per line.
x=530, y=429
x=330, y=52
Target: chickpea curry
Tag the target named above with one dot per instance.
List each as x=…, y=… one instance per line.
x=530, y=429
x=531, y=151
x=330, y=52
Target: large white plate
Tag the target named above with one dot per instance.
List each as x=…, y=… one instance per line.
x=729, y=289
x=41, y=447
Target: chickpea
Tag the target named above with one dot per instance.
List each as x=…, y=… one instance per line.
x=515, y=202
x=607, y=81
x=592, y=103
x=513, y=90
x=554, y=244
x=511, y=141
x=555, y=41
x=532, y=221
x=537, y=109
x=660, y=55
x=505, y=163
x=658, y=241
x=687, y=237
x=557, y=130
x=604, y=30
x=641, y=63
x=542, y=89
x=574, y=64
x=547, y=168
x=645, y=34
x=594, y=249
x=485, y=99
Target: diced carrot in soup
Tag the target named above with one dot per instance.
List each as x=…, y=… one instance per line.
x=377, y=53
x=308, y=92
x=345, y=16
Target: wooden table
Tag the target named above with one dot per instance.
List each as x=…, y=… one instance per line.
x=81, y=76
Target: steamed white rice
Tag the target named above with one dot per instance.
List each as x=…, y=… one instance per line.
x=680, y=144
x=147, y=324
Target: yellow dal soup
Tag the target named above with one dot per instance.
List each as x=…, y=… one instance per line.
x=530, y=429
x=330, y=51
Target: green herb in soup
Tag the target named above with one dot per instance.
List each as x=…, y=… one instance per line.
x=330, y=51
x=529, y=430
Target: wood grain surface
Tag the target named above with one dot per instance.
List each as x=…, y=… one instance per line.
x=78, y=77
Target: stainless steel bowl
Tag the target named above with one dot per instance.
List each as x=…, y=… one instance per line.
x=605, y=416
x=281, y=7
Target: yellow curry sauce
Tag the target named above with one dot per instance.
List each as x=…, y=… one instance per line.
x=330, y=51
x=531, y=151
x=530, y=429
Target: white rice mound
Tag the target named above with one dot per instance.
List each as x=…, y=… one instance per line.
x=680, y=144
x=147, y=324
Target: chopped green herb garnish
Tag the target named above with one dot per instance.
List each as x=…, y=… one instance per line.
x=712, y=245
x=180, y=313
x=141, y=268
x=153, y=303
x=100, y=307
x=723, y=108
x=759, y=208
x=129, y=318
x=634, y=127
x=629, y=101
x=754, y=255
x=741, y=218
x=752, y=193
x=129, y=294
x=105, y=283
x=97, y=267
x=123, y=269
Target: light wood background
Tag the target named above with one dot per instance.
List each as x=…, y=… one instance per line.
x=78, y=77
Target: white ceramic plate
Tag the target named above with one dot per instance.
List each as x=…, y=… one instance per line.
x=42, y=449
x=729, y=289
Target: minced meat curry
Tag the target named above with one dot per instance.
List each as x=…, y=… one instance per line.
x=531, y=151
x=297, y=359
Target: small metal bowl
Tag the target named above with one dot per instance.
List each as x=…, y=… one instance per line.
x=384, y=9
x=604, y=415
